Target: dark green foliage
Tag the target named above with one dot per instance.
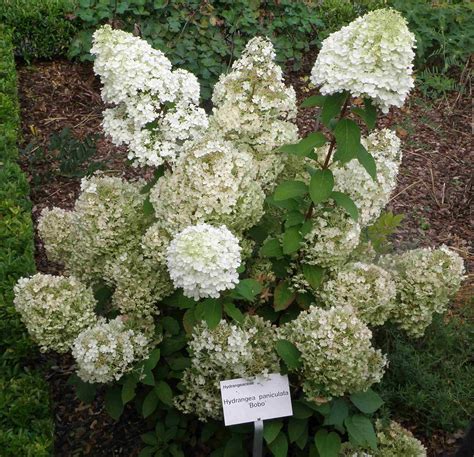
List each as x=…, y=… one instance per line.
x=205, y=37
x=41, y=28
x=429, y=382
x=25, y=425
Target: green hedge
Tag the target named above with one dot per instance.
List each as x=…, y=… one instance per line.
x=25, y=420
x=41, y=28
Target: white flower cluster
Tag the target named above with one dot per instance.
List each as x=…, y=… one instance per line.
x=333, y=237
x=371, y=196
x=156, y=109
x=392, y=441
x=254, y=108
x=368, y=288
x=107, y=350
x=229, y=351
x=426, y=279
x=55, y=309
x=336, y=352
x=371, y=57
x=214, y=182
x=203, y=260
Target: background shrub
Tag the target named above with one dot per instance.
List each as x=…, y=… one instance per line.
x=41, y=28
x=25, y=422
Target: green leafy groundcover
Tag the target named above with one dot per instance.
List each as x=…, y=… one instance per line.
x=25, y=420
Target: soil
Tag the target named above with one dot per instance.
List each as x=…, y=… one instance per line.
x=434, y=192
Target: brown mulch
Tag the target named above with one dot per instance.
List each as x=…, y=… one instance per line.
x=434, y=193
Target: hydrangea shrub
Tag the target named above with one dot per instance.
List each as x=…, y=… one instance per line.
x=247, y=253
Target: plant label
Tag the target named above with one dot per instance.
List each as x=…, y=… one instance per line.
x=251, y=400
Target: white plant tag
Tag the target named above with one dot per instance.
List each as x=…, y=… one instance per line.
x=246, y=400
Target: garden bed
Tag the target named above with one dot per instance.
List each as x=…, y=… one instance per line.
x=433, y=192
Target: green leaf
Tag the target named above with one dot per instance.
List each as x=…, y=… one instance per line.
x=332, y=107
x=272, y=248
x=271, y=429
x=159, y=172
x=149, y=438
x=232, y=311
x=368, y=402
x=292, y=240
x=164, y=392
x=313, y=274
x=338, y=414
x=178, y=300
x=189, y=321
x=302, y=441
x=314, y=100
x=347, y=135
x=283, y=296
x=233, y=447
x=368, y=115
x=170, y=324
x=296, y=428
x=290, y=189
x=113, y=402
x=346, y=202
x=279, y=446
x=248, y=289
x=361, y=431
x=128, y=389
x=328, y=444
x=289, y=353
x=149, y=404
x=301, y=410
x=321, y=185
x=152, y=359
x=367, y=161
x=212, y=311
x=294, y=218
x=85, y=391
x=148, y=209
x=306, y=146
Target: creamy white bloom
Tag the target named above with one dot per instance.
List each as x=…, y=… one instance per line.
x=336, y=352
x=371, y=57
x=213, y=182
x=254, y=108
x=55, y=309
x=156, y=109
x=203, y=260
x=107, y=350
x=229, y=351
x=426, y=279
x=368, y=288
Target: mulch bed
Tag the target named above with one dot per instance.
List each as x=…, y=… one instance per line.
x=434, y=192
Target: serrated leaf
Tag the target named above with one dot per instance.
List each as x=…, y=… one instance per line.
x=289, y=353
x=321, y=185
x=332, y=107
x=328, y=444
x=339, y=412
x=306, y=146
x=279, y=446
x=346, y=202
x=347, y=135
x=301, y=410
x=361, y=431
x=283, y=296
x=271, y=430
x=368, y=115
x=292, y=240
x=164, y=392
x=294, y=218
x=212, y=311
x=128, y=389
x=313, y=274
x=248, y=289
x=113, y=402
x=232, y=311
x=367, y=161
x=272, y=248
x=290, y=189
x=368, y=402
x=296, y=428
x=314, y=100
x=149, y=404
